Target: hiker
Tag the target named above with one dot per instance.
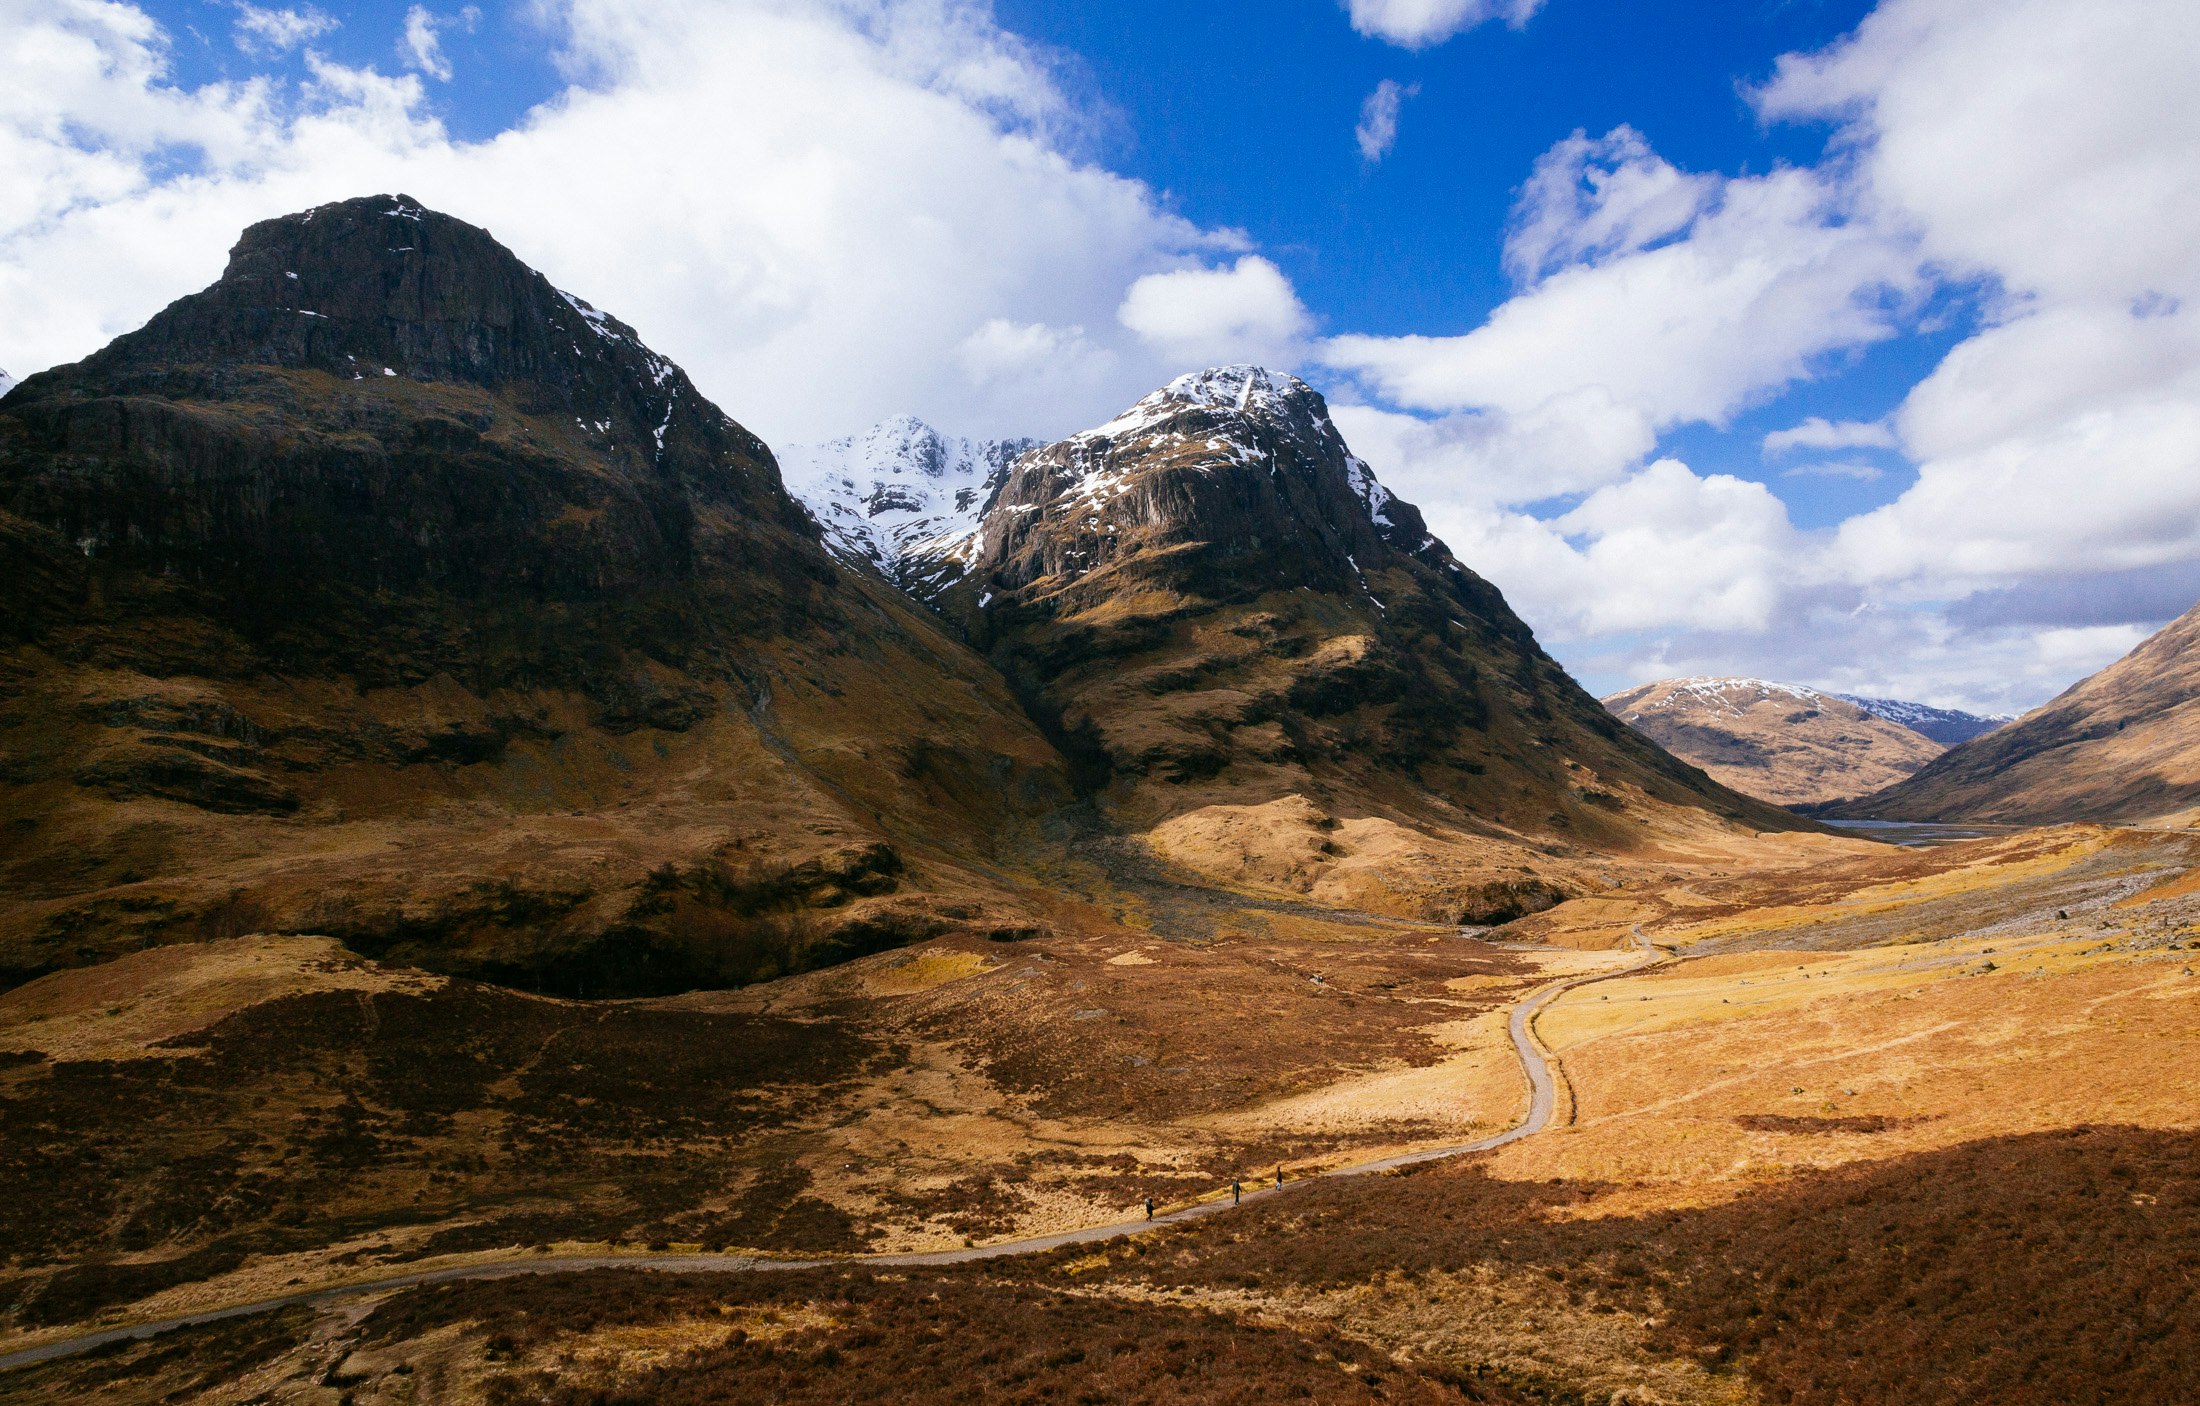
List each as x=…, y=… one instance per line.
x=1279, y=1178
x=1149, y=1208
x=1237, y=1192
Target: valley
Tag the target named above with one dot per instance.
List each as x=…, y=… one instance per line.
x=503, y=901
x=1863, y=1015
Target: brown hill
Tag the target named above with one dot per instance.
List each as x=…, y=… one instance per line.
x=1780, y=742
x=2121, y=745
x=383, y=590
x=1262, y=660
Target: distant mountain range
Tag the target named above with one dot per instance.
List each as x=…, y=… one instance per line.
x=2122, y=745
x=1782, y=742
x=1946, y=726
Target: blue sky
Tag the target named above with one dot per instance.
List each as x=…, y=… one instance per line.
x=1851, y=343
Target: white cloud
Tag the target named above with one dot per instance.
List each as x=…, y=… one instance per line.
x=421, y=45
x=1246, y=312
x=1416, y=24
x=1837, y=468
x=1817, y=432
x=2043, y=155
x=1377, y=131
x=887, y=202
x=1568, y=444
x=1588, y=200
x=272, y=31
x=1663, y=549
x=1766, y=280
x=2056, y=152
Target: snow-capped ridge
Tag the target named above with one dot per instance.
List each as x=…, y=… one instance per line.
x=1244, y=390
x=1732, y=693
x=899, y=492
x=1945, y=725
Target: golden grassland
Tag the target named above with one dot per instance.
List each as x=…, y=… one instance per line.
x=1824, y=1013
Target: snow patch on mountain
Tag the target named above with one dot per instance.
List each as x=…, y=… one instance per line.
x=899, y=493
x=1946, y=726
x=913, y=501
x=1733, y=696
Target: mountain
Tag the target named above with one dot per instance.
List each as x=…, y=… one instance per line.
x=2122, y=745
x=1947, y=726
x=1262, y=661
x=7, y=383
x=1781, y=742
x=385, y=591
x=892, y=493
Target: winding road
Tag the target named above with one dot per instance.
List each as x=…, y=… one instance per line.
x=1542, y=1105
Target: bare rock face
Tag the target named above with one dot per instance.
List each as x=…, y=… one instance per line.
x=2122, y=745
x=1210, y=600
x=378, y=408
x=382, y=546
x=1780, y=742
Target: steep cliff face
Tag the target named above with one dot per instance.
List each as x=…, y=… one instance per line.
x=382, y=543
x=1214, y=605
x=2121, y=745
x=379, y=406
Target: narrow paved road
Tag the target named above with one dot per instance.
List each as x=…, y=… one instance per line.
x=1542, y=1102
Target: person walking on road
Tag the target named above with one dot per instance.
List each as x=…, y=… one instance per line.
x=1149, y=1208
x=1279, y=1178
x=1237, y=1192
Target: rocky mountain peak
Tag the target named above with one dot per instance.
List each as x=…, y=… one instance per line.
x=376, y=398
x=1238, y=466
x=1210, y=599
x=379, y=287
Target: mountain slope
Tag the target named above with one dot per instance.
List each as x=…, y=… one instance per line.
x=1248, y=644
x=892, y=493
x=1947, y=726
x=1783, y=743
x=2121, y=745
x=383, y=590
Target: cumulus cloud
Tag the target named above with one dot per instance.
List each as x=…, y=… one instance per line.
x=270, y=31
x=1591, y=199
x=1837, y=468
x=1817, y=432
x=2040, y=160
x=1416, y=24
x=1245, y=312
x=1377, y=131
x=1766, y=279
x=894, y=220
x=421, y=45
x=2056, y=153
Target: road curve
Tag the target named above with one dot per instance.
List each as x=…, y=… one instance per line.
x=1542, y=1103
